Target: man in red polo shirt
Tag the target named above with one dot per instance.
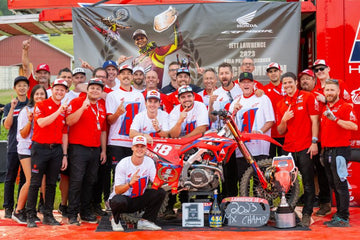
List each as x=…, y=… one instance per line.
x=322, y=73
x=87, y=144
x=47, y=154
x=307, y=83
x=275, y=92
x=298, y=118
x=337, y=122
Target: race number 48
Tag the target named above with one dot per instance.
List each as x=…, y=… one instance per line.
x=162, y=149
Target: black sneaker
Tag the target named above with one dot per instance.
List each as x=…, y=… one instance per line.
x=89, y=219
x=31, y=222
x=63, y=210
x=41, y=208
x=19, y=217
x=74, y=221
x=37, y=219
x=98, y=211
x=50, y=220
x=8, y=212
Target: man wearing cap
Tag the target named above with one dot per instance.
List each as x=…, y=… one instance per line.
x=9, y=120
x=172, y=86
x=42, y=73
x=322, y=73
x=190, y=117
x=337, y=121
x=248, y=65
x=112, y=82
x=152, y=122
x=130, y=192
x=308, y=83
x=152, y=57
x=139, y=79
x=121, y=107
x=87, y=149
x=152, y=80
x=253, y=115
x=182, y=78
x=48, y=151
x=298, y=120
x=78, y=77
x=275, y=92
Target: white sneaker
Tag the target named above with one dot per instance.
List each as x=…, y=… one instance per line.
x=116, y=227
x=147, y=225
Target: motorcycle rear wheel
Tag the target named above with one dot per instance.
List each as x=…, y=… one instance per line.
x=250, y=186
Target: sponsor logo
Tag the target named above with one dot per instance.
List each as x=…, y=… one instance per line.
x=244, y=21
x=355, y=96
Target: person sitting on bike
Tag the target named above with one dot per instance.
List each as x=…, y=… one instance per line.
x=130, y=192
x=253, y=115
x=152, y=122
x=190, y=117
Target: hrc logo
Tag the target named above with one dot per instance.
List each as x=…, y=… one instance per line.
x=355, y=52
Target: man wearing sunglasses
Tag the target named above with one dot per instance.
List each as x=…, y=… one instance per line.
x=322, y=73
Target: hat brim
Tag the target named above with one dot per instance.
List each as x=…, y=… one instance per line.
x=59, y=84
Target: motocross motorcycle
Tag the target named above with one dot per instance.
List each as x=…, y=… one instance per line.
x=196, y=164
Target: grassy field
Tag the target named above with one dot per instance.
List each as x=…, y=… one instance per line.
x=64, y=42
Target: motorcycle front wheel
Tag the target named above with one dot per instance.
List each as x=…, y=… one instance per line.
x=250, y=186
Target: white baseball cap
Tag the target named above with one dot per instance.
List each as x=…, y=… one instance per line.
x=61, y=82
x=153, y=94
x=139, y=140
x=78, y=70
x=138, y=68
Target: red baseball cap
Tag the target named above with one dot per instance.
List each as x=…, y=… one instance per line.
x=44, y=67
x=307, y=72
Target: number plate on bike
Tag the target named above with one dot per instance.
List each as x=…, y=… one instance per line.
x=245, y=211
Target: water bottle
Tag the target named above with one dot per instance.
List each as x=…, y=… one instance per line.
x=215, y=217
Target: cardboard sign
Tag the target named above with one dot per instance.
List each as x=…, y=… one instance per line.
x=246, y=211
x=193, y=215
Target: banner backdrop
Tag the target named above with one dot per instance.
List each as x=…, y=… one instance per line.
x=209, y=33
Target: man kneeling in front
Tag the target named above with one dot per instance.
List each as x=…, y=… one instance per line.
x=130, y=193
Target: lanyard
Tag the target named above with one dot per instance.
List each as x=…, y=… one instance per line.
x=97, y=112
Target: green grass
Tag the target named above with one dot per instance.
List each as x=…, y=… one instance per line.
x=56, y=202
x=64, y=42
x=5, y=95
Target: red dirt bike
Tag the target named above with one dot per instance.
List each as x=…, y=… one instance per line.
x=196, y=164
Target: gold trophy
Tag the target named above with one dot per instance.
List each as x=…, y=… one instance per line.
x=165, y=19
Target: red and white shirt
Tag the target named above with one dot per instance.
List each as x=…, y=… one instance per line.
x=124, y=171
x=143, y=124
x=133, y=103
x=197, y=116
x=253, y=115
x=24, y=144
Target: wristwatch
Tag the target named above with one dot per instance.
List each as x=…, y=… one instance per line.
x=314, y=140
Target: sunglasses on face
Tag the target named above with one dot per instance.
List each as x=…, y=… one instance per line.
x=319, y=69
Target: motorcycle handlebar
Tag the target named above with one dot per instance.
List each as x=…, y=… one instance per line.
x=222, y=113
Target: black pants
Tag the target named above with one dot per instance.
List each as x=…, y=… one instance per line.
x=340, y=187
x=230, y=186
x=324, y=186
x=45, y=159
x=151, y=201
x=116, y=153
x=12, y=166
x=276, y=150
x=83, y=167
x=103, y=183
x=306, y=168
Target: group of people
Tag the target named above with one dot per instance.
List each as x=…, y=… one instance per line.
x=85, y=130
